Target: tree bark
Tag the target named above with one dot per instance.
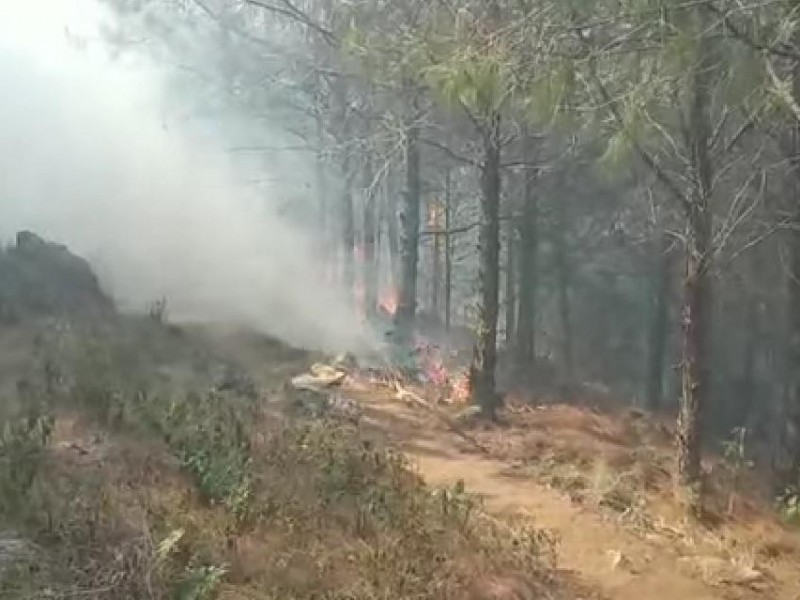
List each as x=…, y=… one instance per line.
x=790, y=471
x=322, y=202
x=448, y=249
x=697, y=285
x=791, y=476
x=482, y=370
x=409, y=230
x=694, y=364
x=661, y=281
x=511, y=267
x=347, y=213
x=436, y=271
x=392, y=233
x=348, y=228
x=564, y=275
x=528, y=267
x=370, y=244
x=749, y=379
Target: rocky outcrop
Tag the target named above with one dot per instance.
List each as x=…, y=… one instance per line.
x=41, y=278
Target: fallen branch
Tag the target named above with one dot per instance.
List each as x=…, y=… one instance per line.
x=407, y=395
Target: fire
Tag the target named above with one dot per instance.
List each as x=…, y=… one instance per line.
x=453, y=381
x=431, y=362
x=388, y=300
x=459, y=386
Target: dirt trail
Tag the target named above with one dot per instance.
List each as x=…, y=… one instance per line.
x=602, y=554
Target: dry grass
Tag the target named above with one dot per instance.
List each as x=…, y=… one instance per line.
x=621, y=464
x=200, y=494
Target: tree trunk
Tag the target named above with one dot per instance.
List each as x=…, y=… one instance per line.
x=409, y=231
x=694, y=364
x=370, y=245
x=346, y=210
x=564, y=275
x=528, y=267
x=322, y=202
x=348, y=228
x=511, y=293
x=791, y=476
x=697, y=285
x=392, y=233
x=448, y=248
x=749, y=379
x=790, y=471
x=482, y=370
x=436, y=276
x=660, y=277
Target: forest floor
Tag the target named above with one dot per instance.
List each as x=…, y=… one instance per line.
x=601, y=484
x=178, y=463
x=183, y=492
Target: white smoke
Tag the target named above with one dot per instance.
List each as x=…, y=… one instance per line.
x=86, y=159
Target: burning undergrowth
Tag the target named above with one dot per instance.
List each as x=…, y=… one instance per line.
x=431, y=360
x=424, y=369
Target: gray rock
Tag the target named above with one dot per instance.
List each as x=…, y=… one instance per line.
x=40, y=278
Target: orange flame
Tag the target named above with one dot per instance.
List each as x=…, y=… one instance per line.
x=388, y=300
x=460, y=388
x=454, y=381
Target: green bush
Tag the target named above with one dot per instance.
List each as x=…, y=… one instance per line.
x=199, y=583
x=208, y=434
x=789, y=505
x=23, y=441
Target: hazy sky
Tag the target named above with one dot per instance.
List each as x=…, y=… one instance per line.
x=42, y=24
x=87, y=159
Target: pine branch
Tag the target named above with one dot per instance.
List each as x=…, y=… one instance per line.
x=239, y=149
x=783, y=50
x=290, y=10
x=649, y=160
x=238, y=31
x=464, y=229
x=747, y=126
x=449, y=151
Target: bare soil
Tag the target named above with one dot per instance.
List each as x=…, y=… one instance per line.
x=555, y=466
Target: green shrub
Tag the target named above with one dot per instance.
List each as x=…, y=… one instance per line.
x=199, y=583
x=208, y=434
x=789, y=505
x=23, y=441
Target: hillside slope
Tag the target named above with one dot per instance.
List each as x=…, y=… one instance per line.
x=601, y=485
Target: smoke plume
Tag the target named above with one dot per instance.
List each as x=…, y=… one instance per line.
x=160, y=209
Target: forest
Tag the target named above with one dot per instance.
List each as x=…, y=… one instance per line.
x=562, y=211
x=604, y=192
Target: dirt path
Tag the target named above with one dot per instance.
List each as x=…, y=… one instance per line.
x=604, y=555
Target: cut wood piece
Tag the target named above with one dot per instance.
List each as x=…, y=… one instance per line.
x=319, y=378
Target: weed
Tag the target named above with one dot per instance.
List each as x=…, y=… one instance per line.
x=325, y=512
x=98, y=385
x=734, y=453
x=208, y=434
x=23, y=440
x=200, y=583
x=789, y=505
x=321, y=478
